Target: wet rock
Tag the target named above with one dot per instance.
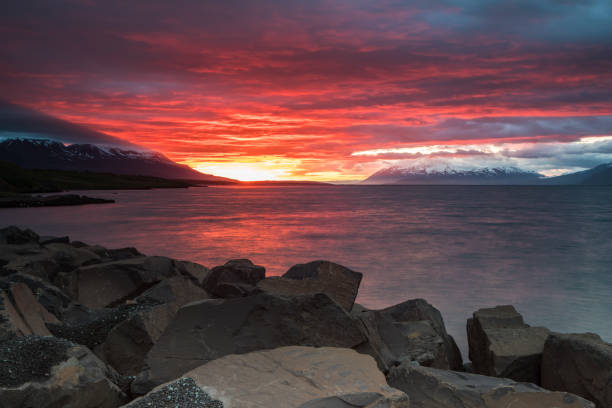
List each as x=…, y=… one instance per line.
x=580, y=364
x=236, y=278
x=410, y=331
x=289, y=377
x=502, y=345
x=211, y=329
x=336, y=281
x=434, y=388
x=48, y=372
x=128, y=343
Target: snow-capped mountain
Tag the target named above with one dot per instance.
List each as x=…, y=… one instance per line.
x=49, y=154
x=449, y=175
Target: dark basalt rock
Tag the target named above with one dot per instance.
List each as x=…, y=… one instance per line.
x=579, y=363
x=210, y=329
x=338, y=282
x=182, y=393
x=15, y=236
x=236, y=278
x=434, y=388
x=410, y=331
x=502, y=345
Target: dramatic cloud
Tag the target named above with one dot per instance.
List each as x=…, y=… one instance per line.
x=294, y=89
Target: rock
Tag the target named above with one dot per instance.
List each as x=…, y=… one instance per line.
x=128, y=343
x=289, y=377
x=192, y=270
x=14, y=236
x=410, y=331
x=580, y=364
x=11, y=323
x=211, y=329
x=49, y=239
x=51, y=260
x=359, y=400
x=339, y=283
x=91, y=327
x=434, y=388
x=183, y=393
x=48, y=372
x=112, y=283
x=33, y=313
x=49, y=296
x=236, y=278
x=502, y=345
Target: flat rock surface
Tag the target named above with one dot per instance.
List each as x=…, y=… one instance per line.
x=433, y=388
x=288, y=377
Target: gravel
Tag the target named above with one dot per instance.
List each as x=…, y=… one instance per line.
x=183, y=393
x=26, y=359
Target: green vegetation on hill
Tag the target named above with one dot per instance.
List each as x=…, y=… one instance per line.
x=14, y=179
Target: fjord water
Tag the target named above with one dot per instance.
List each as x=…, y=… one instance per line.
x=546, y=250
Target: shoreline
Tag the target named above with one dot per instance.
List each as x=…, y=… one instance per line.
x=140, y=321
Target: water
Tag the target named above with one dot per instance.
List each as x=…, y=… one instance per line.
x=546, y=250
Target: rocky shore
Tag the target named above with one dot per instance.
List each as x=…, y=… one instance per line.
x=86, y=326
x=55, y=200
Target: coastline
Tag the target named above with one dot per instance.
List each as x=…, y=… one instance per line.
x=140, y=320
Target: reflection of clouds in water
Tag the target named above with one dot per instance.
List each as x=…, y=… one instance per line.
x=544, y=249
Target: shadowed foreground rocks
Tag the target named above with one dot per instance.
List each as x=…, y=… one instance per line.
x=48, y=372
x=83, y=326
x=581, y=364
x=211, y=329
x=433, y=388
x=410, y=331
x=502, y=345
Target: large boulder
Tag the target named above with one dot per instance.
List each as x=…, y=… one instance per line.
x=128, y=343
x=410, y=331
x=502, y=345
x=15, y=236
x=287, y=377
x=357, y=400
x=112, y=283
x=336, y=281
x=434, y=388
x=49, y=261
x=48, y=295
x=236, y=278
x=21, y=314
x=46, y=372
x=210, y=329
x=580, y=364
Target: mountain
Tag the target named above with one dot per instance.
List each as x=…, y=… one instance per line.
x=597, y=176
x=49, y=154
x=448, y=175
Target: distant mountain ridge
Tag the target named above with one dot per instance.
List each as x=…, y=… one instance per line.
x=422, y=175
x=448, y=175
x=50, y=154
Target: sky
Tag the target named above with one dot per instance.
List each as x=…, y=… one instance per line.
x=323, y=89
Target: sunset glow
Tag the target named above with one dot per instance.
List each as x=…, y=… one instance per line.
x=323, y=90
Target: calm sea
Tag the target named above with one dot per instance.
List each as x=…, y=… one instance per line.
x=546, y=250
